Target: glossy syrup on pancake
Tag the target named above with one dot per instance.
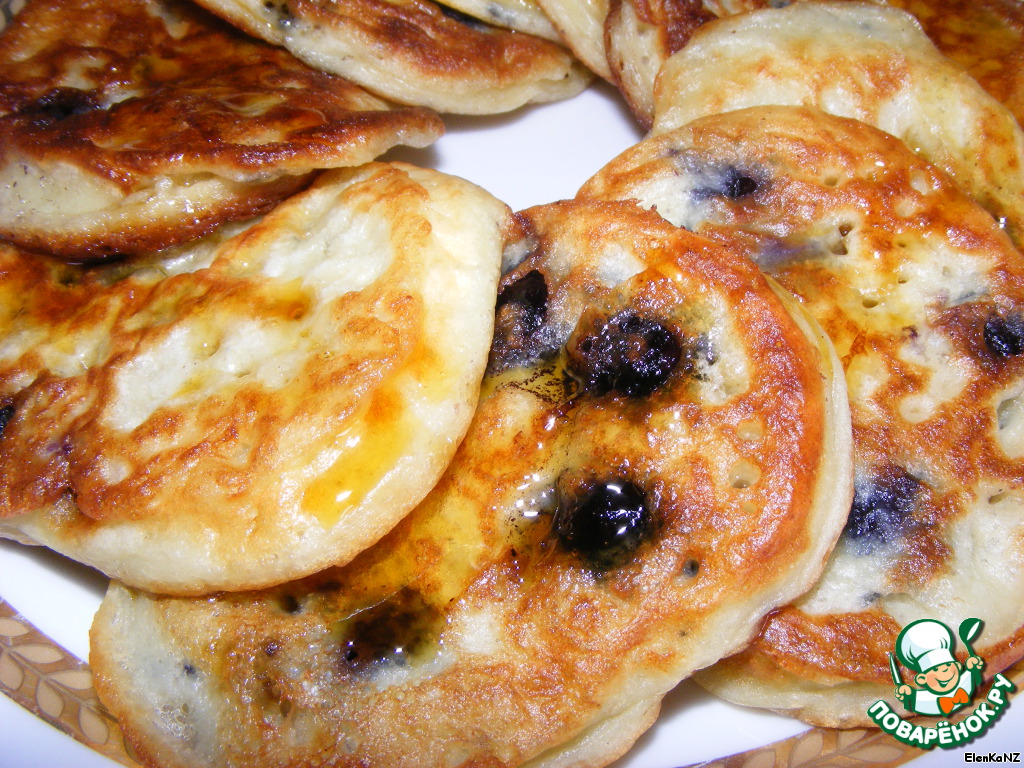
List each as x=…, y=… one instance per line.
x=861, y=60
x=257, y=405
x=923, y=296
x=133, y=125
x=415, y=51
x=661, y=455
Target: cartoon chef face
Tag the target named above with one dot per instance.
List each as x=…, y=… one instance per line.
x=941, y=678
x=926, y=646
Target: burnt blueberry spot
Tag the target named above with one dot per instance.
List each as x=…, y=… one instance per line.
x=691, y=567
x=6, y=414
x=1004, y=336
x=882, y=511
x=393, y=631
x=271, y=649
x=524, y=302
x=520, y=312
x=626, y=354
x=603, y=522
x=188, y=669
x=60, y=104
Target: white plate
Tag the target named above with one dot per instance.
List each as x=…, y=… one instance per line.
x=533, y=156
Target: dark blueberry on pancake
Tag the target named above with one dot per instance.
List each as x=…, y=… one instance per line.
x=626, y=354
x=519, y=314
x=602, y=521
x=882, y=511
x=1004, y=336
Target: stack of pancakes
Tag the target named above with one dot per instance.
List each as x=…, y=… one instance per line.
x=385, y=473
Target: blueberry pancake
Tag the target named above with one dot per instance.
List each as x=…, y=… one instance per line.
x=132, y=125
x=415, y=51
x=985, y=36
x=859, y=60
x=249, y=409
x=922, y=295
x=661, y=455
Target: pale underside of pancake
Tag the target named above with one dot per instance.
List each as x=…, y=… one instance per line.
x=661, y=454
x=923, y=296
x=521, y=15
x=580, y=24
x=415, y=51
x=640, y=35
x=134, y=125
x=859, y=60
x=986, y=36
x=252, y=409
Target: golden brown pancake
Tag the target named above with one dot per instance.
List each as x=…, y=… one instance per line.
x=858, y=60
x=415, y=51
x=923, y=296
x=985, y=36
x=248, y=409
x=132, y=125
x=659, y=457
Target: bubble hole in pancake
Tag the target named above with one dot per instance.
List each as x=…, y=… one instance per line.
x=415, y=51
x=660, y=456
x=923, y=297
x=249, y=409
x=859, y=60
x=133, y=125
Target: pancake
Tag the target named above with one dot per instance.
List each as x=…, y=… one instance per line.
x=415, y=51
x=520, y=15
x=864, y=61
x=250, y=409
x=133, y=125
x=640, y=35
x=985, y=36
x=660, y=455
x=580, y=24
x=923, y=297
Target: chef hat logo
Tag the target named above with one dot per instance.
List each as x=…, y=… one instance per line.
x=925, y=644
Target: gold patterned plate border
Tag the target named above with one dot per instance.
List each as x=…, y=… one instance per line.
x=56, y=687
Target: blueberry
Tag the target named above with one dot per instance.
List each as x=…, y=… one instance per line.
x=1004, y=336
x=6, y=414
x=603, y=522
x=882, y=511
x=626, y=354
x=520, y=312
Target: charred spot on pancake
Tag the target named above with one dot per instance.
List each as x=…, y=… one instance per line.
x=1004, y=336
x=391, y=632
x=602, y=521
x=520, y=312
x=60, y=104
x=883, y=510
x=6, y=414
x=626, y=353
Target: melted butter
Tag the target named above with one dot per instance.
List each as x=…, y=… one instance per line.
x=366, y=451
x=549, y=380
